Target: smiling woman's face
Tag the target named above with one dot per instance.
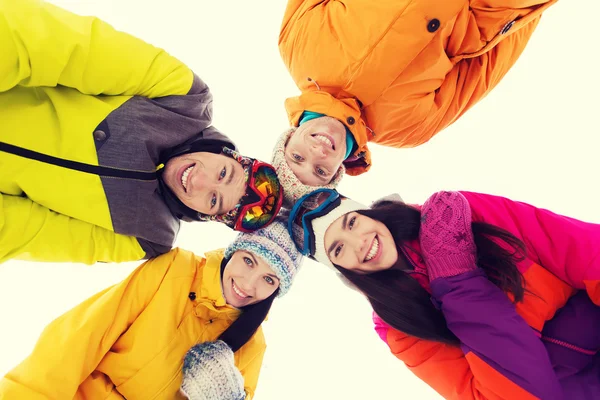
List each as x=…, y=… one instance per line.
x=360, y=244
x=247, y=279
x=316, y=150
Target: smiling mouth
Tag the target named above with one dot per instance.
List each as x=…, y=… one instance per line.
x=374, y=251
x=238, y=291
x=325, y=139
x=185, y=175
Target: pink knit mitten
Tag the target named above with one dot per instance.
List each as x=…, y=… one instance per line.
x=446, y=237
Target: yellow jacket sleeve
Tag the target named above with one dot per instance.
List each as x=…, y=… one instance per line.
x=251, y=362
x=72, y=346
x=33, y=232
x=44, y=45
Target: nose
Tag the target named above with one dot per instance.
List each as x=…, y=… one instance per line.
x=205, y=182
x=358, y=241
x=249, y=285
x=318, y=151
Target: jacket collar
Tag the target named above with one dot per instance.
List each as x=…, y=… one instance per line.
x=211, y=303
x=412, y=252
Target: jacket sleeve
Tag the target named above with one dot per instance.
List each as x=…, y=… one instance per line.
x=500, y=357
x=250, y=362
x=29, y=231
x=418, y=110
x=567, y=247
x=71, y=347
x=44, y=45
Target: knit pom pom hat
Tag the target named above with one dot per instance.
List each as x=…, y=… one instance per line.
x=293, y=189
x=274, y=245
x=318, y=226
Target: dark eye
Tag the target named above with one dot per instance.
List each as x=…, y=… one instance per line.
x=213, y=201
x=269, y=280
x=321, y=172
x=223, y=173
x=248, y=261
x=338, y=250
x=297, y=157
x=351, y=222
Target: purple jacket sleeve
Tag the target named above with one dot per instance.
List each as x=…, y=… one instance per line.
x=487, y=324
x=567, y=247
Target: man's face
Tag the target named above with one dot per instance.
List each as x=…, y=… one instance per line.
x=211, y=184
x=316, y=150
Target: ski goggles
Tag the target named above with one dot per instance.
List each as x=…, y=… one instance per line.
x=263, y=199
x=310, y=206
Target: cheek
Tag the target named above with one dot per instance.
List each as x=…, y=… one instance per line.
x=296, y=143
x=266, y=290
x=170, y=170
x=350, y=262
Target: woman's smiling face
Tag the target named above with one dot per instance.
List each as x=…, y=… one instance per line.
x=247, y=279
x=361, y=244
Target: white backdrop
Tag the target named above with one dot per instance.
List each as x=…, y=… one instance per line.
x=535, y=139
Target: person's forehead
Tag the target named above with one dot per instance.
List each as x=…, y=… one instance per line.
x=335, y=229
x=213, y=156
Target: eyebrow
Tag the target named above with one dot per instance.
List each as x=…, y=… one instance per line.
x=345, y=221
x=332, y=247
x=334, y=244
x=231, y=175
x=253, y=258
x=220, y=204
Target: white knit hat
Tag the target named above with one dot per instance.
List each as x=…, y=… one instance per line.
x=293, y=189
x=319, y=225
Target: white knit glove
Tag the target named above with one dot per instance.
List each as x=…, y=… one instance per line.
x=209, y=373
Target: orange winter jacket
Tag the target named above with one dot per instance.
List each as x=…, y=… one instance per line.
x=396, y=72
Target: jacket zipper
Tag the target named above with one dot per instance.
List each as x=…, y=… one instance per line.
x=412, y=263
x=76, y=165
x=569, y=346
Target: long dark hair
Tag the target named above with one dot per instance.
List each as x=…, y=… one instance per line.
x=246, y=325
x=402, y=302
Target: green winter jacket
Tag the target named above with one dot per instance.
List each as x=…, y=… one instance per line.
x=84, y=95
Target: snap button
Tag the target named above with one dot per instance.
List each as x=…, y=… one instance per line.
x=433, y=25
x=507, y=27
x=192, y=296
x=99, y=135
x=350, y=120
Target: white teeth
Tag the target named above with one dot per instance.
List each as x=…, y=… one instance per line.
x=324, y=139
x=239, y=293
x=184, y=176
x=373, y=250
